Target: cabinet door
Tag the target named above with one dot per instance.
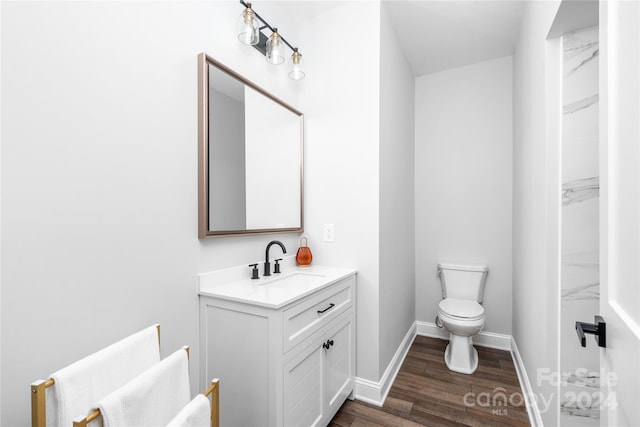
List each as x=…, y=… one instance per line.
x=236, y=350
x=303, y=393
x=339, y=365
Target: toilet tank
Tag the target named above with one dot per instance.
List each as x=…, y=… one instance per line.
x=462, y=281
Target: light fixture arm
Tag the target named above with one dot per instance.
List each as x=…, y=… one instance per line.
x=266, y=25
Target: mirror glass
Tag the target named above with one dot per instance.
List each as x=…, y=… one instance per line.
x=250, y=156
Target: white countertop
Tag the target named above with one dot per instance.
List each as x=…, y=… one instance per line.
x=274, y=291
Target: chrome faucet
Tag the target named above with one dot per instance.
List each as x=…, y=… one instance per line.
x=267, y=266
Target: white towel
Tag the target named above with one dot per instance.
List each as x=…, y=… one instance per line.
x=196, y=413
x=151, y=399
x=80, y=385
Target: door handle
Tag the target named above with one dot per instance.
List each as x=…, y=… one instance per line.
x=598, y=328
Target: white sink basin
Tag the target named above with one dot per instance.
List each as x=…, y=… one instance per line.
x=274, y=291
x=294, y=280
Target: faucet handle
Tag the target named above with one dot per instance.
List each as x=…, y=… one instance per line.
x=276, y=268
x=254, y=272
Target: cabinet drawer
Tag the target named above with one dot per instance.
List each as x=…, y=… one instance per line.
x=302, y=320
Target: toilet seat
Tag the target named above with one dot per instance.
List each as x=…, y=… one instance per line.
x=461, y=309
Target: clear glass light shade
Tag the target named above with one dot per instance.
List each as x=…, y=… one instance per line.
x=248, y=28
x=296, y=65
x=275, y=49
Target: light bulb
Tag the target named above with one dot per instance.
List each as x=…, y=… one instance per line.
x=295, y=65
x=275, y=49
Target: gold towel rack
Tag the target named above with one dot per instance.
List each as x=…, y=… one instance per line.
x=214, y=391
x=39, y=403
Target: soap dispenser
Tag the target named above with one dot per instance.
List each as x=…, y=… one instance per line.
x=303, y=256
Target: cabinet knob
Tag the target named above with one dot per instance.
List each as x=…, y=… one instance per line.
x=327, y=344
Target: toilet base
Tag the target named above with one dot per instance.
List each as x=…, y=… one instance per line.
x=460, y=355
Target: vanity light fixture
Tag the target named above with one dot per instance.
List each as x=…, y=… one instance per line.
x=272, y=47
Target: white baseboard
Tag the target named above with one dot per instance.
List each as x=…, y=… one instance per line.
x=529, y=397
x=375, y=393
x=483, y=339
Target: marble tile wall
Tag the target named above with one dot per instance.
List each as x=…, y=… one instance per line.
x=580, y=290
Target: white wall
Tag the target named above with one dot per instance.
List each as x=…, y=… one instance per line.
x=359, y=170
x=464, y=182
x=99, y=177
x=341, y=102
x=397, y=225
x=535, y=220
x=1, y=221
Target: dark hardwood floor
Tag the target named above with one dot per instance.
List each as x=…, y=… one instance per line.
x=426, y=393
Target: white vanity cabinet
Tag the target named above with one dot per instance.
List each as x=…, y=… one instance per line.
x=282, y=361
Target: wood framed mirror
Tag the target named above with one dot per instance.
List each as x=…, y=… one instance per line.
x=250, y=156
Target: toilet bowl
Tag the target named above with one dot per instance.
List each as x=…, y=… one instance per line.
x=462, y=319
x=461, y=313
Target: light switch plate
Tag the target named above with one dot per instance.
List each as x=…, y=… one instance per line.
x=329, y=233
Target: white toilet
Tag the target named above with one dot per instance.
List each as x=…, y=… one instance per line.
x=461, y=314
